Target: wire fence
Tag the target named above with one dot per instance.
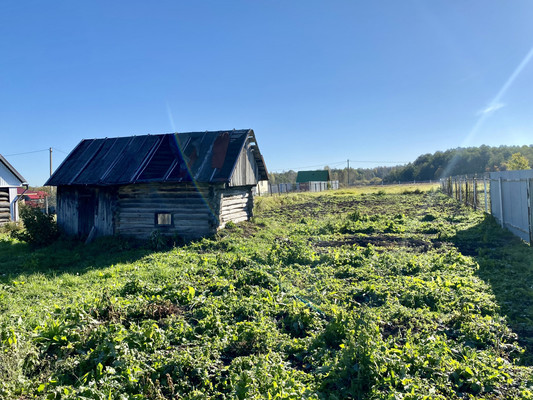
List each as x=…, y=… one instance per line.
x=473, y=190
x=506, y=195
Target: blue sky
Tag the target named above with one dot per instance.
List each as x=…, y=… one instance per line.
x=318, y=81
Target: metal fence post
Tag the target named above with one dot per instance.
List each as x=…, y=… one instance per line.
x=529, y=210
x=501, y=203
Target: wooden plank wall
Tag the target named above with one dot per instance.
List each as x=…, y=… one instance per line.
x=5, y=213
x=192, y=207
x=104, y=212
x=99, y=215
x=236, y=205
x=67, y=210
x=246, y=171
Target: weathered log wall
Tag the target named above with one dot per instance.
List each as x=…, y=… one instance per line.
x=5, y=212
x=236, y=205
x=132, y=210
x=192, y=208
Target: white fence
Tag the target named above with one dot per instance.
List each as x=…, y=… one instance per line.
x=511, y=200
x=507, y=195
x=299, y=187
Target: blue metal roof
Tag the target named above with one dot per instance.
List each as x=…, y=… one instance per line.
x=207, y=157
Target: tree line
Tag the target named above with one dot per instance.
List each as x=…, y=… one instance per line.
x=458, y=161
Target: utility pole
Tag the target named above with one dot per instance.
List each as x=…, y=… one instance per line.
x=348, y=171
x=46, y=198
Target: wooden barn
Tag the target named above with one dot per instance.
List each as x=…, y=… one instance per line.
x=184, y=184
x=10, y=180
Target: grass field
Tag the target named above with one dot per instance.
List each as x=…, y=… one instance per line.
x=372, y=293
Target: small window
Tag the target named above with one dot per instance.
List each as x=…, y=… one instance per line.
x=163, y=219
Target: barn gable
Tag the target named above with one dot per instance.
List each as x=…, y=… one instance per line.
x=189, y=184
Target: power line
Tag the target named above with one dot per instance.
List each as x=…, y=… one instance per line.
x=310, y=166
x=382, y=162
x=342, y=162
x=27, y=152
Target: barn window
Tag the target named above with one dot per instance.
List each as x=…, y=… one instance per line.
x=163, y=219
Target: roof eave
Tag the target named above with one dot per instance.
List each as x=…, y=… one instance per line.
x=13, y=170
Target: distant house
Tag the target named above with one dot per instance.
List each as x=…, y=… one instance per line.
x=321, y=175
x=313, y=181
x=184, y=184
x=10, y=180
x=35, y=199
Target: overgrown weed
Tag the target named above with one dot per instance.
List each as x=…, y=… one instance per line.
x=328, y=295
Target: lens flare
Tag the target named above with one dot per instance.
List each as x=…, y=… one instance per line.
x=492, y=107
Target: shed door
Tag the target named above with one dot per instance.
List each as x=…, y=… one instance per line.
x=86, y=211
x=5, y=214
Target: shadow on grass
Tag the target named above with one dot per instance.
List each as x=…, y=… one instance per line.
x=67, y=256
x=506, y=264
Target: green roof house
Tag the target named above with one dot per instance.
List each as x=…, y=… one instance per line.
x=321, y=175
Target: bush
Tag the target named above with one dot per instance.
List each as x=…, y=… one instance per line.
x=39, y=229
x=11, y=228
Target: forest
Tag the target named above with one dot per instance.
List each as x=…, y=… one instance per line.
x=458, y=161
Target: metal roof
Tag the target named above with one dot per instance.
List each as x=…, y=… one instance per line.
x=206, y=157
x=12, y=169
x=312, y=176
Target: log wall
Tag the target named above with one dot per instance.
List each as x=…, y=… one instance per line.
x=5, y=212
x=193, y=210
x=131, y=210
x=236, y=205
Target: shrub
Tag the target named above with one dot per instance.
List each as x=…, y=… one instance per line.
x=11, y=228
x=157, y=241
x=39, y=229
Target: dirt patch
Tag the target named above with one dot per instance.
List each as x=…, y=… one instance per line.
x=248, y=229
x=381, y=240
x=315, y=209
x=165, y=309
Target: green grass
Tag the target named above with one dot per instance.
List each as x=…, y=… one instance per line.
x=360, y=293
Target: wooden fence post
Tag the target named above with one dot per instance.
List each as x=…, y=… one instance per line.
x=450, y=187
x=485, y=191
x=466, y=190
x=475, y=194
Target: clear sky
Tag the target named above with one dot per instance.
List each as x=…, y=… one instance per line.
x=319, y=82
